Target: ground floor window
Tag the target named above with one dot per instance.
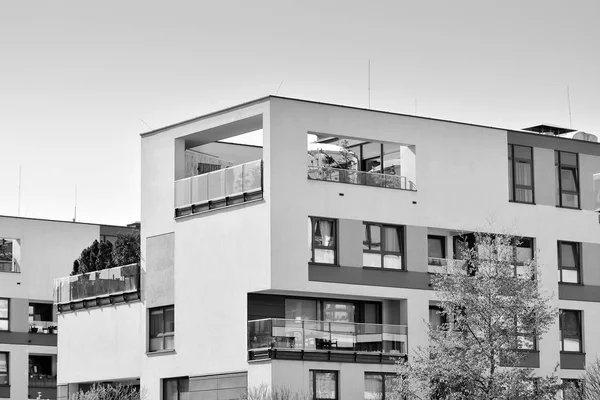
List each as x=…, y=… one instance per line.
x=162, y=328
x=572, y=389
x=176, y=389
x=324, y=385
x=3, y=369
x=381, y=386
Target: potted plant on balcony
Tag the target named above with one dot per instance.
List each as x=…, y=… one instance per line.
x=51, y=329
x=33, y=328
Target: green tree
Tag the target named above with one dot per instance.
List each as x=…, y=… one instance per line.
x=591, y=381
x=492, y=310
x=127, y=249
x=96, y=257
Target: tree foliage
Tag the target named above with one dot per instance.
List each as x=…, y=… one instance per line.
x=492, y=314
x=109, y=392
x=102, y=254
x=266, y=392
x=591, y=381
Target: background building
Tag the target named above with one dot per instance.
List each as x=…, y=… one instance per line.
x=32, y=253
x=290, y=243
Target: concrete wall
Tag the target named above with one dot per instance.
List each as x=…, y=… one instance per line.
x=18, y=365
x=544, y=177
x=101, y=344
x=159, y=286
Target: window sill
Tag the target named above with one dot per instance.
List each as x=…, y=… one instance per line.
x=571, y=283
x=522, y=202
x=572, y=352
x=385, y=269
x=160, y=352
x=10, y=272
x=569, y=208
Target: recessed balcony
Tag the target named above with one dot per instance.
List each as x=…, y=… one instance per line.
x=220, y=188
x=98, y=288
x=325, y=341
x=354, y=177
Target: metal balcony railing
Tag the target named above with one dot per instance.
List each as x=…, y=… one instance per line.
x=98, y=283
x=354, y=177
x=42, y=381
x=9, y=266
x=219, y=184
x=43, y=327
x=275, y=333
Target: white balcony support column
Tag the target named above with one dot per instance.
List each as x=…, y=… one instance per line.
x=408, y=163
x=417, y=318
x=179, y=158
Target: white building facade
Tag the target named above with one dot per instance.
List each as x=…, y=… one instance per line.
x=33, y=252
x=235, y=295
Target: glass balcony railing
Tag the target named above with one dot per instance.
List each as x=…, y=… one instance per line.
x=360, y=178
x=438, y=265
x=43, y=327
x=274, y=333
x=98, y=283
x=42, y=381
x=9, y=266
x=219, y=184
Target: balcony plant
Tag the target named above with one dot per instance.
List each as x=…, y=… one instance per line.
x=33, y=328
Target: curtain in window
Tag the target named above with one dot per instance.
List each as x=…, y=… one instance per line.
x=325, y=385
x=324, y=233
x=373, y=387
x=391, y=239
x=170, y=389
x=571, y=331
x=156, y=323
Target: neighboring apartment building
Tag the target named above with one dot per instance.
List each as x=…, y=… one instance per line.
x=33, y=252
x=304, y=262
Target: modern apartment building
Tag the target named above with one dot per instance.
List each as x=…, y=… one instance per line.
x=32, y=253
x=290, y=243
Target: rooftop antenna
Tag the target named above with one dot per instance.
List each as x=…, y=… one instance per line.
x=569, y=100
x=19, y=207
x=144, y=122
x=278, y=88
x=369, y=84
x=75, y=214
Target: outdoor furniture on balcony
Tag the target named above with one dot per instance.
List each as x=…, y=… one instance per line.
x=224, y=187
x=359, y=339
x=48, y=327
x=112, y=284
x=355, y=177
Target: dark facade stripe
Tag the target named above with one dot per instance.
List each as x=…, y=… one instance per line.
x=572, y=360
x=28, y=339
x=4, y=392
x=578, y=292
x=370, y=277
x=219, y=387
x=553, y=143
x=265, y=306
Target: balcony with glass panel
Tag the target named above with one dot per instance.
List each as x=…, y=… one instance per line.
x=361, y=162
x=98, y=288
x=296, y=339
x=9, y=255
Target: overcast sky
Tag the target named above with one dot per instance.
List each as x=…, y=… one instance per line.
x=78, y=77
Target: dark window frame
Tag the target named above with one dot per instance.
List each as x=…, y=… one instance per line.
x=512, y=179
x=313, y=384
x=382, y=252
x=7, y=319
x=7, y=355
x=179, y=381
x=578, y=386
x=164, y=334
x=577, y=250
x=559, y=167
x=578, y=336
x=383, y=376
x=444, y=245
x=314, y=246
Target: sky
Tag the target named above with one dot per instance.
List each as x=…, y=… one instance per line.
x=80, y=80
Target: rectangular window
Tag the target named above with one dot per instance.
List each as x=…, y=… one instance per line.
x=324, y=385
x=176, y=389
x=40, y=312
x=567, y=179
x=162, y=328
x=569, y=262
x=437, y=318
x=436, y=246
x=323, y=240
x=570, y=331
x=382, y=246
x=572, y=389
x=381, y=386
x=4, y=314
x=3, y=369
x=520, y=173
x=523, y=255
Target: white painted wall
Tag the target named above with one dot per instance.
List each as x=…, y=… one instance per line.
x=101, y=344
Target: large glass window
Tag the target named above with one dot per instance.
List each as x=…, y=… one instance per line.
x=322, y=240
x=568, y=262
x=162, y=328
x=3, y=369
x=381, y=386
x=382, y=246
x=570, y=331
x=301, y=309
x=335, y=311
x=324, y=385
x=520, y=173
x=176, y=389
x=567, y=179
x=4, y=314
x=436, y=246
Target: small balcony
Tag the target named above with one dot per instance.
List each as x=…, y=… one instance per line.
x=354, y=177
x=43, y=327
x=42, y=381
x=224, y=187
x=325, y=341
x=94, y=289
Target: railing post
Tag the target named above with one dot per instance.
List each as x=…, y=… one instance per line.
x=303, y=336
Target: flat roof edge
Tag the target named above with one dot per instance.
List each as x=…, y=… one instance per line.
x=64, y=222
